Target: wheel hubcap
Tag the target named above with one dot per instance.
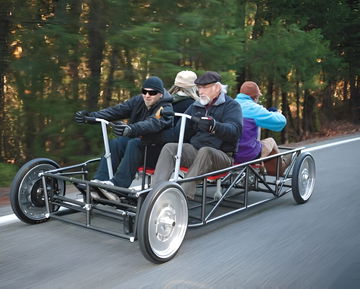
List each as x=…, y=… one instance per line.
x=37, y=194
x=165, y=223
x=307, y=179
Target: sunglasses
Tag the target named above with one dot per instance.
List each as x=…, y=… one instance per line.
x=150, y=92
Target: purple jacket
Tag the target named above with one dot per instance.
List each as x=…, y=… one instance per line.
x=255, y=116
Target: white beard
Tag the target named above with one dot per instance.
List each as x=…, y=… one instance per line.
x=204, y=99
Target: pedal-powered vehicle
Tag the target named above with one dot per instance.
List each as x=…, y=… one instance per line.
x=157, y=217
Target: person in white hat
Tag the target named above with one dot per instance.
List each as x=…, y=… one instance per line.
x=184, y=90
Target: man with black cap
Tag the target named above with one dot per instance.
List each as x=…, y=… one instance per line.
x=210, y=137
x=145, y=121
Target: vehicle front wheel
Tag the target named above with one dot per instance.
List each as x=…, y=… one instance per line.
x=163, y=222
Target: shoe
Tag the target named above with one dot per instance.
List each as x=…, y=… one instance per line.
x=286, y=161
x=94, y=195
x=110, y=196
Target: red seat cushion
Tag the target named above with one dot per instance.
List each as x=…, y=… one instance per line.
x=148, y=171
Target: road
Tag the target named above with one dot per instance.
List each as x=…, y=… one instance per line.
x=277, y=245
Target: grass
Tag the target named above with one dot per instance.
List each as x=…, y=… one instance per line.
x=7, y=173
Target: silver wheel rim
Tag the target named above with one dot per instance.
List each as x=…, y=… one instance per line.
x=168, y=223
x=306, y=178
x=25, y=197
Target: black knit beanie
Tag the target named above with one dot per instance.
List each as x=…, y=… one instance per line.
x=155, y=83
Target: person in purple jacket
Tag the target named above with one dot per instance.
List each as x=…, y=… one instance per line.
x=255, y=116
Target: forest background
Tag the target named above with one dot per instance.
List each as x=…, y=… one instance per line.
x=58, y=57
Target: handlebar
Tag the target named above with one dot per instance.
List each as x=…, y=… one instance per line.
x=172, y=113
x=91, y=119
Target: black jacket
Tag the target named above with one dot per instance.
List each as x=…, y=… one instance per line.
x=181, y=102
x=145, y=123
x=228, y=116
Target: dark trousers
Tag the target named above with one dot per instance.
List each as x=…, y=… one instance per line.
x=126, y=156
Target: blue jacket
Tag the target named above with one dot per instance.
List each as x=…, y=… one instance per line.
x=255, y=116
x=228, y=117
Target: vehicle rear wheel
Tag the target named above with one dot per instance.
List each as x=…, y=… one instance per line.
x=163, y=222
x=303, y=178
x=27, y=191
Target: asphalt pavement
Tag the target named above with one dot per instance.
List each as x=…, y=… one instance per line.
x=276, y=245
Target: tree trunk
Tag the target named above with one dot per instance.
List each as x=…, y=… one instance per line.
x=4, y=60
x=270, y=92
x=96, y=43
x=129, y=73
x=110, y=82
x=355, y=98
x=240, y=22
x=327, y=106
x=309, y=115
x=286, y=113
x=297, y=123
x=75, y=60
x=269, y=101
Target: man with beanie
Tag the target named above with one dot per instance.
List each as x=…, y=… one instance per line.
x=145, y=121
x=255, y=116
x=210, y=137
x=184, y=93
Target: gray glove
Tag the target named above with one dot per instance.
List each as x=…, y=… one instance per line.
x=122, y=130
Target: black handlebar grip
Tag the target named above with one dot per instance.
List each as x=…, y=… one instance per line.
x=90, y=119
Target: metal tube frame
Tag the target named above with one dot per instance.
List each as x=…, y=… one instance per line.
x=225, y=205
x=210, y=209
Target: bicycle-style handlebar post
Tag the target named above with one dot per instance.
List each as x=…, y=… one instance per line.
x=107, y=155
x=180, y=144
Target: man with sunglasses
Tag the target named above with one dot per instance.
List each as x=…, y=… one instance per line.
x=148, y=113
x=210, y=137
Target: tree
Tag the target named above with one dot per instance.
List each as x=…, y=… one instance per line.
x=289, y=59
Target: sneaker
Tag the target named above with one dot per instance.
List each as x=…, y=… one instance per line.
x=94, y=195
x=110, y=196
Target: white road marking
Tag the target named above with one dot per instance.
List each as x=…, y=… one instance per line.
x=12, y=218
x=4, y=220
x=330, y=144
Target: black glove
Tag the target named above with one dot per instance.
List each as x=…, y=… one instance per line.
x=122, y=129
x=80, y=116
x=273, y=109
x=206, y=123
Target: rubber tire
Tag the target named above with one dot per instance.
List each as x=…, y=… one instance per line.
x=147, y=217
x=19, y=181
x=303, y=176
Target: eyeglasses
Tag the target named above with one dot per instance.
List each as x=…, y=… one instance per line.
x=150, y=92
